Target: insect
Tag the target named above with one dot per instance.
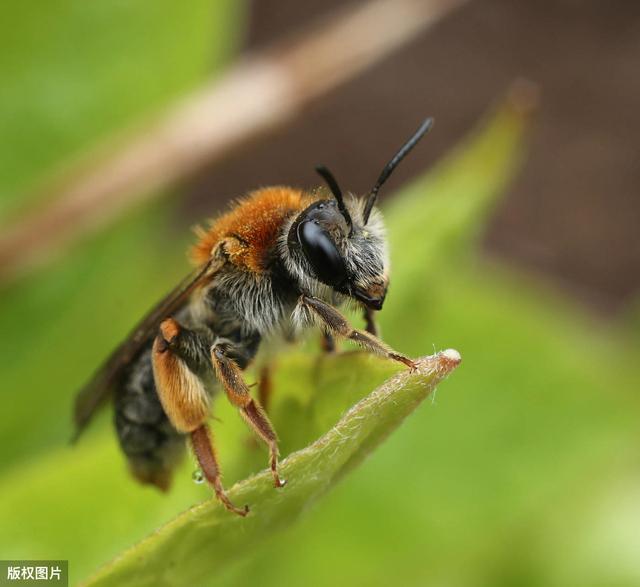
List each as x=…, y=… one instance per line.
x=279, y=261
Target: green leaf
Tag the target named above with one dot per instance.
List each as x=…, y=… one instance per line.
x=73, y=71
x=201, y=541
x=136, y=58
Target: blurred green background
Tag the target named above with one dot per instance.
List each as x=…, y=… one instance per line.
x=524, y=470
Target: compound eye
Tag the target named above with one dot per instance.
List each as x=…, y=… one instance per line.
x=322, y=253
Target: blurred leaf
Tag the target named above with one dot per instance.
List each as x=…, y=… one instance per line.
x=440, y=215
x=200, y=542
x=65, y=319
x=73, y=71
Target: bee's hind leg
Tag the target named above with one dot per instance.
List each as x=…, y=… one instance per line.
x=237, y=390
x=202, y=445
x=184, y=398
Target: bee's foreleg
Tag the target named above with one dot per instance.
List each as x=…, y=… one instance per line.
x=328, y=343
x=370, y=321
x=237, y=390
x=185, y=400
x=335, y=323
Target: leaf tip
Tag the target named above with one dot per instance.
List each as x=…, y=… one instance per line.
x=442, y=363
x=523, y=97
x=449, y=358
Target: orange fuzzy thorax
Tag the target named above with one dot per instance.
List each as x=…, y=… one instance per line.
x=255, y=222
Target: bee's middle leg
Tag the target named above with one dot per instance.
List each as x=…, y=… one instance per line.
x=265, y=387
x=237, y=390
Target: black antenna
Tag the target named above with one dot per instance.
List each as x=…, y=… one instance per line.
x=425, y=127
x=337, y=193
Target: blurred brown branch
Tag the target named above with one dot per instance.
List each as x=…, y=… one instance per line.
x=258, y=93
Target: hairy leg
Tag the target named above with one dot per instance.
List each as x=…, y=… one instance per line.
x=237, y=390
x=335, y=323
x=184, y=399
x=202, y=445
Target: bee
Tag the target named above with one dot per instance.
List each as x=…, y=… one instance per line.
x=278, y=262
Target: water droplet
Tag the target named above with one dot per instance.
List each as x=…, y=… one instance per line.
x=197, y=476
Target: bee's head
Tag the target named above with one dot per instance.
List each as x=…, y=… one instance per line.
x=348, y=256
x=341, y=242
